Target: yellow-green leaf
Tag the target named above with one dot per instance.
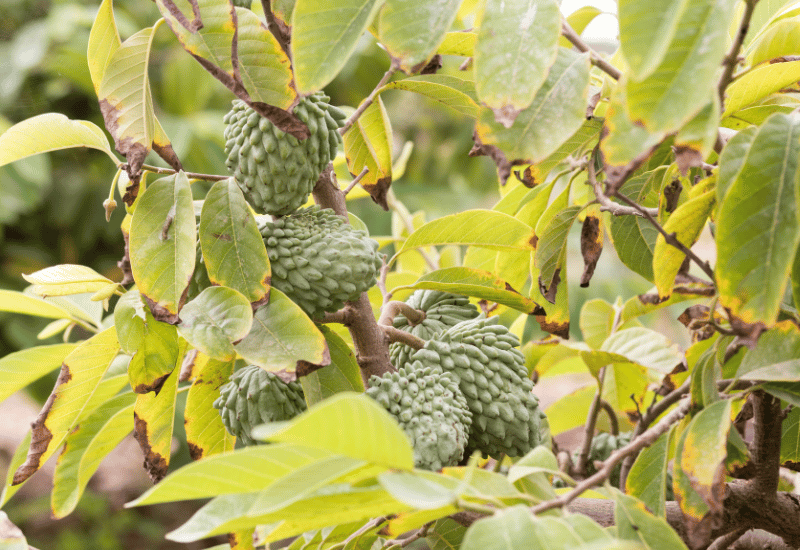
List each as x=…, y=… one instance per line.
x=458, y=43
x=104, y=41
x=65, y=279
x=780, y=39
x=205, y=433
x=343, y=374
x=215, y=319
x=368, y=144
x=20, y=368
x=17, y=302
x=636, y=523
x=645, y=32
x=456, y=93
x=759, y=83
x=154, y=418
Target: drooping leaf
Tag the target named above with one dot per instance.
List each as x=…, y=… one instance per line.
x=324, y=35
x=758, y=229
x=552, y=245
x=647, y=479
x=205, y=433
x=50, y=132
x=452, y=91
x=282, y=336
x=215, y=319
x=634, y=522
x=685, y=223
x=20, y=368
x=479, y=284
x=154, y=419
x=413, y=30
x=343, y=374
x=776, y=357
x=576, y=145
x=163, y=245
x=517, y=45
x=695, y=141
x=375, y=435
x=81, y=372
x=680, y=85
x=368, y=144
x=759, y=83
x=85, y=447
x=558, y=110
x=233, y=250
x=645, y=32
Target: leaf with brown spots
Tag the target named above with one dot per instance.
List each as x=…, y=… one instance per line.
x=80, y=375
x=153, y=421
x=368, y=143
x=591, y=246
x=205, y=433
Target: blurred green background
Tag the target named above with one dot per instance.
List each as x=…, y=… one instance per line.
x=51, y=205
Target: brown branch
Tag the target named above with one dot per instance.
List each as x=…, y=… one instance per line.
x=392, y=309
x=606, y=204
x=570, y=34
x=725, y=541
x=190, y=175
x=644, y=440
x=278, y=30
x=344, y=316
x=355, y=181
x=397, y=335
x=612, y=416
x=370, y=342
x=670, y=238
x=732, y=59
x=767, y=422
x=591, y=422
x=393, y=68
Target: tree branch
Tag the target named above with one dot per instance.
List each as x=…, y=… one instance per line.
x=391, y=309
x=767, y=422
x=190, y=175
x=393, y=68
x=606, y=204
x=355, y=181
x=570, y=34
x=612, y=416
x=732, y=59
x=591, y=422
x=397, y=335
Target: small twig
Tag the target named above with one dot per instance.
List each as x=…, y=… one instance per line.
x=606, y=204
x=498, y=463
x=367, y=527
x=343, y=316
x=397, y=335
x=612, y=416
x=570, y=34
x=644, y=440
x=725, y=541
x=390, y=310
x=381, y=284
x=474, y=507
x=355, y=181
x=732, y=59
x=395, y=66
x=591, y=422
x=420, y=533
x=670, y=238
x=190, y=175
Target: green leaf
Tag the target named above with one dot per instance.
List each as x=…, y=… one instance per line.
x=233, y=250
x=700, y=463
x=508, y=529
x=456, y=93
x=65, y=279
x=85, y=448
x=685, y=224
x=647, y=479
x=242, y=471
x=645, y=347
x=445, y=534
x=626, y=140
x=154, y=419
x=579, y=20
x=163, y=245
x=50, y=132
x=217, y=317
x=80, y=375
x=517, y=45
x=700, y=133
x=343, y=374
x=125, y=100
x=732, y=161
x=485, y=228
x=153, y=344
x=634, y=522
x=585, y=136
x=777, y=356
x=282, y=336
x=796, y=279
x=205, y=433
x=104, y=41
x=412, y=30
x=562, y=97
x=459, y=43
x=17, y=302
x=424, y=491
x=551, y=249
x=758, y=229
x=571, y=410
x=681, y=84
x=646, y=31
x=779, y=39
x=368, y=144
x=20, y=368
x=759, y=83
x=790, y=439
x=265, y=68
x=375, y=435
x=478, y=284
x=596, y=321
x=324, y=35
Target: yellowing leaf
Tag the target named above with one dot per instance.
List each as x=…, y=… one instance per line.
x=759, y=83
x=205, y=433
x=368, y=144
x=154, y=418
x=104, y=41
x=65, y=279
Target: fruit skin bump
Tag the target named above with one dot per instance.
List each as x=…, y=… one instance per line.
x=242, y=3
x=254, y=396
x=275, y=170
x=431, y=410
x=318, y=260
x=491, y=373
x=442, y=311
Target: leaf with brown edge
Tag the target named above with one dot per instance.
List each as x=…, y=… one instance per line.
x=591, y=246
x=153, y=421
x=368, y=143
x=241, y=540
x=205, y=433
x=80, y=374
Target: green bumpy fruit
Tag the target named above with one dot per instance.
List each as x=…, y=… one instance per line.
x=603, y=445
x=442, y=311
x=275, y=170
x=492, y=376
x=318, y=260
x=254, y=396
x=243, y=3
x=431, y=410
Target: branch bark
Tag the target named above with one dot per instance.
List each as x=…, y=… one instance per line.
x=370, y=98
x=732, y=59
x=391, y=309
x=570, y=34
